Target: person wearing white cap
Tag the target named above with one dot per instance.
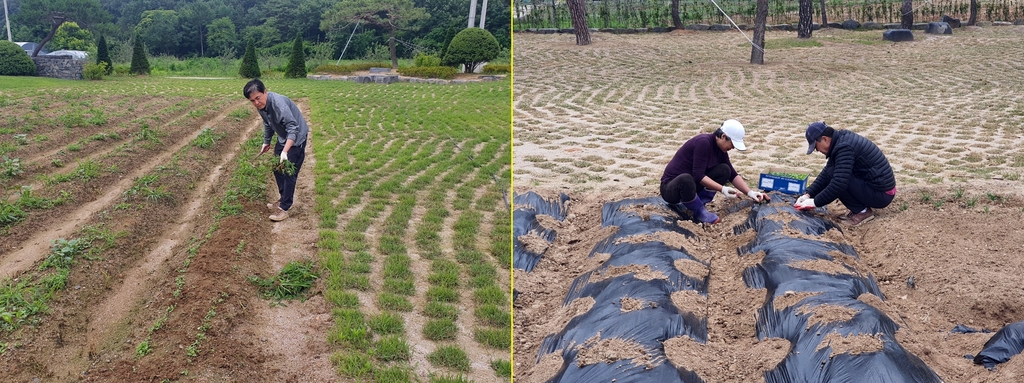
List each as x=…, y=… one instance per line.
x=704, y=160
x=856, y=173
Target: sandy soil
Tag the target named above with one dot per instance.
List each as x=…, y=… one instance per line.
x=600, y=123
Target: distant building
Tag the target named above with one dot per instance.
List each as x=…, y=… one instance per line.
x=29, y=47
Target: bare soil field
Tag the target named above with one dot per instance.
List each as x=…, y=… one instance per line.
x=600, y=122
x=165, y=295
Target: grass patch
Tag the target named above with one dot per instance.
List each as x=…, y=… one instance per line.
x=292, y=282
x=387, y=323
x=440, y=329
x=391, y=349
x=451, y=357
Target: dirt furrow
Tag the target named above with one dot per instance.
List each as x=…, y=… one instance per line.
x=38, y=244
x=293, y=335
x=112, y=311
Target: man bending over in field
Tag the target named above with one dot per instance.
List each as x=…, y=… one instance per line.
x=856, y=172
x=280, y=116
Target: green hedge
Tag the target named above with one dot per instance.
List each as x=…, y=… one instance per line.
x=496, y=68
x=445, y=72
x=346, y=69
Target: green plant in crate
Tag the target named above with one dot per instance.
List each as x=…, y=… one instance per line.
x=795, y=176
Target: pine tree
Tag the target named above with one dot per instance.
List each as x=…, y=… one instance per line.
x=103, y=55
x=140, y=64
x=297, y=62
x=250, y=67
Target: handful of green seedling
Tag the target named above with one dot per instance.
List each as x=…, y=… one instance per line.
x=284, y=167
x=795, y=176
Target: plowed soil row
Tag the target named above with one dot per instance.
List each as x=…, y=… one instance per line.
x=173, y=268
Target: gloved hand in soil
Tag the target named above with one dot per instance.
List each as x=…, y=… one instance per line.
x=284, y=156
x=802, y=198
x=758, y=196
x=806, y=204
x=730, y=192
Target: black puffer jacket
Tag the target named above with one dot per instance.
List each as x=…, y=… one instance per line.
x=851, y=155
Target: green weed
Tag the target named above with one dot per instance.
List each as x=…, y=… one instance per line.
x=496, y=338
x=387, y=323
x=390, y=349
x=502, y=368
x=392, y=374
x=10, y=167
x=291, y=283
x=143, y=348
x=393, y=302
x=353, y=364
x=449, y=356
x=440, y=329
x=440, y=310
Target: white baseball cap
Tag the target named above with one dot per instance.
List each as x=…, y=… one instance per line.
x=734, y=130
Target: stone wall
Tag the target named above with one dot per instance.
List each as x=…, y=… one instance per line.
x=65, y=67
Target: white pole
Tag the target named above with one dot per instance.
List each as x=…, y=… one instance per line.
x=483, y=14
x=346, y=43
x=8, y=19
x=472, y=13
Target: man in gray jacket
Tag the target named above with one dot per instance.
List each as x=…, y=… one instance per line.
x=281, y=117
x=856, y=173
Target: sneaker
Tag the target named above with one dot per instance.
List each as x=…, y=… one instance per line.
x=859, y=218
x=281, y=215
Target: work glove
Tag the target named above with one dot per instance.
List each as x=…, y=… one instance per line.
x=264, y=149
x=730, y=192
x=284, y=156
x=758, y=196
x=802, y=198
x=806, y=204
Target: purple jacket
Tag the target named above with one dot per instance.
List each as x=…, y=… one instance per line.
x=695, y=157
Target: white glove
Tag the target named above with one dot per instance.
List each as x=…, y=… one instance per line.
x=807, y=204
x=802, y=198
x=758, y=196
x=730, y=192
x=264, y=148
x=284, y=156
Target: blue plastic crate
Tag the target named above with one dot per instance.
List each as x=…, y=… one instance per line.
x=783, y=184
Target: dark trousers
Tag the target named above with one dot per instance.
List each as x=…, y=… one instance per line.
x=683, y=188
x=859, y=195
x=286, y=183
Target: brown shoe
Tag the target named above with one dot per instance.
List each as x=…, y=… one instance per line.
x=281, y=215
x=860, y=218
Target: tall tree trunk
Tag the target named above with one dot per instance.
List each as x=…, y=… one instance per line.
x=394, y=55
x=824, y=17
x=907, y=14
x=676, y=22
x=760, y=19
x=974, y=13
x=554, y=15
x=578, y=13
x=483, y=14
x=803, y=30
x=472, y=13
x=57, y=21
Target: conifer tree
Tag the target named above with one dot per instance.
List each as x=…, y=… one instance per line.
x=297, y=62
x=103, y=55
x=250, y=67
x=140, y=64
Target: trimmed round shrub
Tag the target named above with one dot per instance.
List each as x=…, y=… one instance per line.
x=14, y=61
x=470, y=47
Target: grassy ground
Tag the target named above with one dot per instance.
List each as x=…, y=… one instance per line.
x=410, y=195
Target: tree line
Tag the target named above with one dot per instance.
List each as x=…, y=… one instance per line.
x=221, y=28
